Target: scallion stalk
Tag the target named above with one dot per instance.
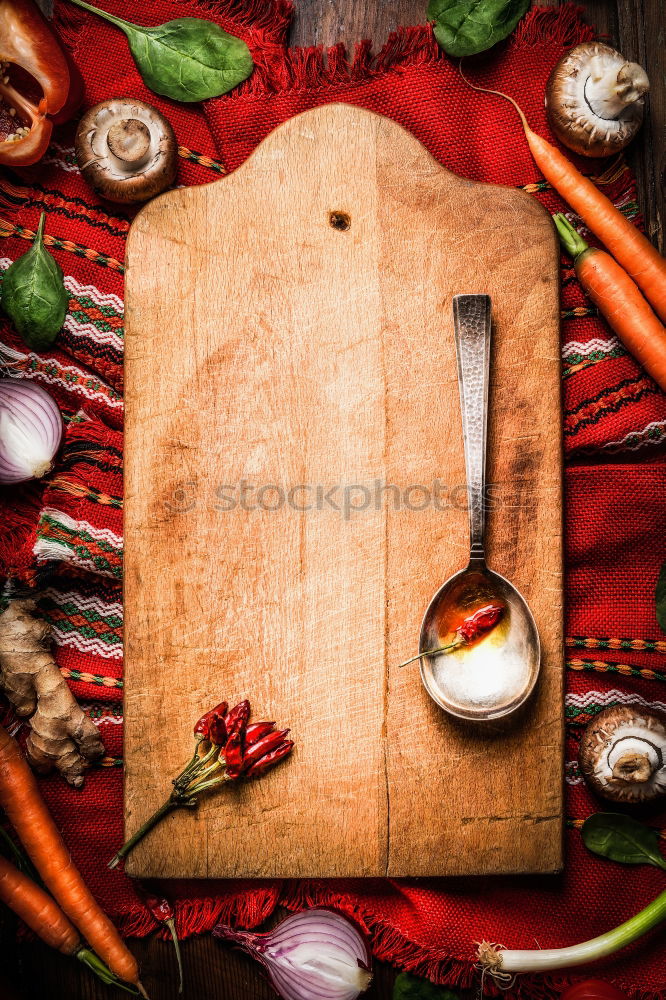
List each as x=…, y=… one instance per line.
x=499, y=962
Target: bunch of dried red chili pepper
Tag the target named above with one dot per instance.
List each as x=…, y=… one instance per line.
x=226, y=748
x=39, y=83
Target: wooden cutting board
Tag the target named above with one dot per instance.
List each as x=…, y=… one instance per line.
x=289, y=358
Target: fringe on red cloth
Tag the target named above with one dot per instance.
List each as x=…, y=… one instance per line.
x=271, y=17
x=313, y=68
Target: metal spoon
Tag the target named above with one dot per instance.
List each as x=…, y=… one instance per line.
x=493, y=677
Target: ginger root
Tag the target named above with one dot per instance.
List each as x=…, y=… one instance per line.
x=61, y=736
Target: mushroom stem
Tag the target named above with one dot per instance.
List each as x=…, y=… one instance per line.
x=608, y=91
x=129, y=141
x=623, y=753
x=633, y=767
x=127, y=150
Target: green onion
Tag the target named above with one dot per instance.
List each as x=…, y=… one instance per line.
x=501, y=964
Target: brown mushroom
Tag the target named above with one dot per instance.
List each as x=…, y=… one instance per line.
x=126, y=150
x=623, y=753
x=594, y=99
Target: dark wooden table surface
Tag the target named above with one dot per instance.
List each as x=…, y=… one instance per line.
x=213, y=972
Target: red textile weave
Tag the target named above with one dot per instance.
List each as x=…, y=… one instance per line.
x=69, y=531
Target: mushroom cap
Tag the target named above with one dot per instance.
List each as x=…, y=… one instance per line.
x=570, y=116
x=126, y=150
x=623, y=753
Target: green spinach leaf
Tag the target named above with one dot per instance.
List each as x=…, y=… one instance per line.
x=409, y=987
x=623, y=839
x=188, y=59
x=660, y=598
x=34, y=296
x=465, y=27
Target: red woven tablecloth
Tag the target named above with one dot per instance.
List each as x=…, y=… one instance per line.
x=70, y=529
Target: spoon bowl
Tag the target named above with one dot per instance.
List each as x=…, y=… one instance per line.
x=492, y=676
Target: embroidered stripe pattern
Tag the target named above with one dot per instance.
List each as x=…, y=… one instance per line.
x=652, y=433
x=597, y=701
x=67, y=376
x=82, y=322
x=61, y=537
x=572, y=774
x=576, y=350
x=71, y=208
x=608, y=401
x=85, y=678
x=104, y=457
x=62, y=156
x=578, y=312
x=110, y=762
x=616, y=668
x=602, y=699
x=91, y=334
x=77, y=208
x=90, y=493
x=203, y=161
x=93, y=606
x=604, y=642
x=579, y=366
x=104, y=714
x=577, y=356
x=11, y=229
x=84, y=623
x=108, y=303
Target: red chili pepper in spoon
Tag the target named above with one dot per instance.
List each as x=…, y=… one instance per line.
x=482, y=620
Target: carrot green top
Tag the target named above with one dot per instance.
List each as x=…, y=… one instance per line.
x=570, y=238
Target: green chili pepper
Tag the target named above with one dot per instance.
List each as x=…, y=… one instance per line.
x=34, y=296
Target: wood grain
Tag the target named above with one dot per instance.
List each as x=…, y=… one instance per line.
x=38, y=971
x=298, y=353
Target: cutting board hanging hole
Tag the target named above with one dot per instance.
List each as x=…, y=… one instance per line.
x=339, y=220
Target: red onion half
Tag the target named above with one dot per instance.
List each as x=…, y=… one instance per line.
x=30, y=431
x=313, y=955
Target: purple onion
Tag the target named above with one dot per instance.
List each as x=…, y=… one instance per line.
x=30, y=431
x=313, y=955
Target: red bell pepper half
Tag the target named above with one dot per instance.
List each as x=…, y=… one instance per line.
x=34, y=81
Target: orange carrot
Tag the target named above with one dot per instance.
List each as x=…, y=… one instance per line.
x=37, y=909
x=619, y=300
x=41, y=914
x=628, y=245
x=28, y=814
